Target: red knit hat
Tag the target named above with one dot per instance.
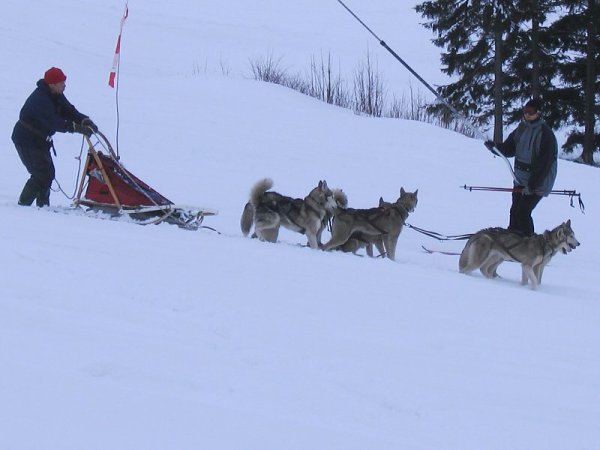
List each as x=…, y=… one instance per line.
x=54, y=75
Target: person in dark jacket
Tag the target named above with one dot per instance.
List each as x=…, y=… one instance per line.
x=45, y=112
x=535, y=149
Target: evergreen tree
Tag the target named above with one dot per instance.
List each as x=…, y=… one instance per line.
x=532, y=61
x=504, y=53
x=475, y=35
x=575, y=97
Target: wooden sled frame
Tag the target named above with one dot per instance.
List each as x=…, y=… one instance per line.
x=184, y=217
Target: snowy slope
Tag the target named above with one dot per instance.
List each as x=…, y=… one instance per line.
x=117, y=336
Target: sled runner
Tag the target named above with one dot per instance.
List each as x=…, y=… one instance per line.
x=111, y=188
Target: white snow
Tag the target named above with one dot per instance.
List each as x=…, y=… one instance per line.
x=119, y=336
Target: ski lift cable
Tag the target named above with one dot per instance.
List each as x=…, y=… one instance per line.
x=476, y=131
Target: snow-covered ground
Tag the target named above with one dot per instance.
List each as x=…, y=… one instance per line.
x=118, y=336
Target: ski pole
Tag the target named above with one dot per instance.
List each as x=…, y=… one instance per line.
x=571, y=193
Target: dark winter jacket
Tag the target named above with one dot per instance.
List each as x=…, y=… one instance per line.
x=42, y=115
x=534, y=147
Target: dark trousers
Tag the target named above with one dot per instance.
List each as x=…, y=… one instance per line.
x=38, y=162
x=520, y=212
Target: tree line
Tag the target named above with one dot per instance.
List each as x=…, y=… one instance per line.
x=503, y=52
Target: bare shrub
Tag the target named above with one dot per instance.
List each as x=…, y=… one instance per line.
x=268, y=69
x=367, y=95
x=297, y=83
x=200, y=68
x=439, y=114
x=411, y=107
x=225, y=67
x=369, y=90
x=326, y=85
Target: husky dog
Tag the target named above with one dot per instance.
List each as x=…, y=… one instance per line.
x=268, y=210
x=375, y=225
x=360, y=240
x=357, y=241
x=488, y=248
x=341, y=202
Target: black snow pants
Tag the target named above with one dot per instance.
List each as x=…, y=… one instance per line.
x=38, y=162
x=520, y=212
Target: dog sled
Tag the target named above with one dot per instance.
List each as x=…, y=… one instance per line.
x=106, y=186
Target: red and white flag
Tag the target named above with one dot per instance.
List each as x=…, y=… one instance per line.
x=115, y=67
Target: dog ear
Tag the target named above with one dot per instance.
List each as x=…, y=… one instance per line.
x=402, y=191
x=569, y=223
x=381, y=201
x=416, y=192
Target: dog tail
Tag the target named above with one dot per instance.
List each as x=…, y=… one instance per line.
x=475, y=253
x=259, y=189
x=247, y=219
x=463, y=261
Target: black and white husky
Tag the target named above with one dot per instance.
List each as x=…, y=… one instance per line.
x=268, y=211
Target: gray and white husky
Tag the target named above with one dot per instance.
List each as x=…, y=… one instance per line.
x=489, y=248
x=360, y=240
x=380, y=226
x=269, y=210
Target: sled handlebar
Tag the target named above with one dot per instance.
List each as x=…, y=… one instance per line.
x=102, y=141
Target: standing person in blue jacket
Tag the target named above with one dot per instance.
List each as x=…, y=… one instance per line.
x=534, y=147
x=45, y=112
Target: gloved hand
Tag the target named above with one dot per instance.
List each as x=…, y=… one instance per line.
x=87, y=122
x=490, y=145
x=77, y=128
x=526, y=191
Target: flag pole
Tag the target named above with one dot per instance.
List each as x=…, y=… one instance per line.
x=114, y=73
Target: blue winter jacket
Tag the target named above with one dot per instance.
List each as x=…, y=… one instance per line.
x=42, y=115
x=535, y=149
